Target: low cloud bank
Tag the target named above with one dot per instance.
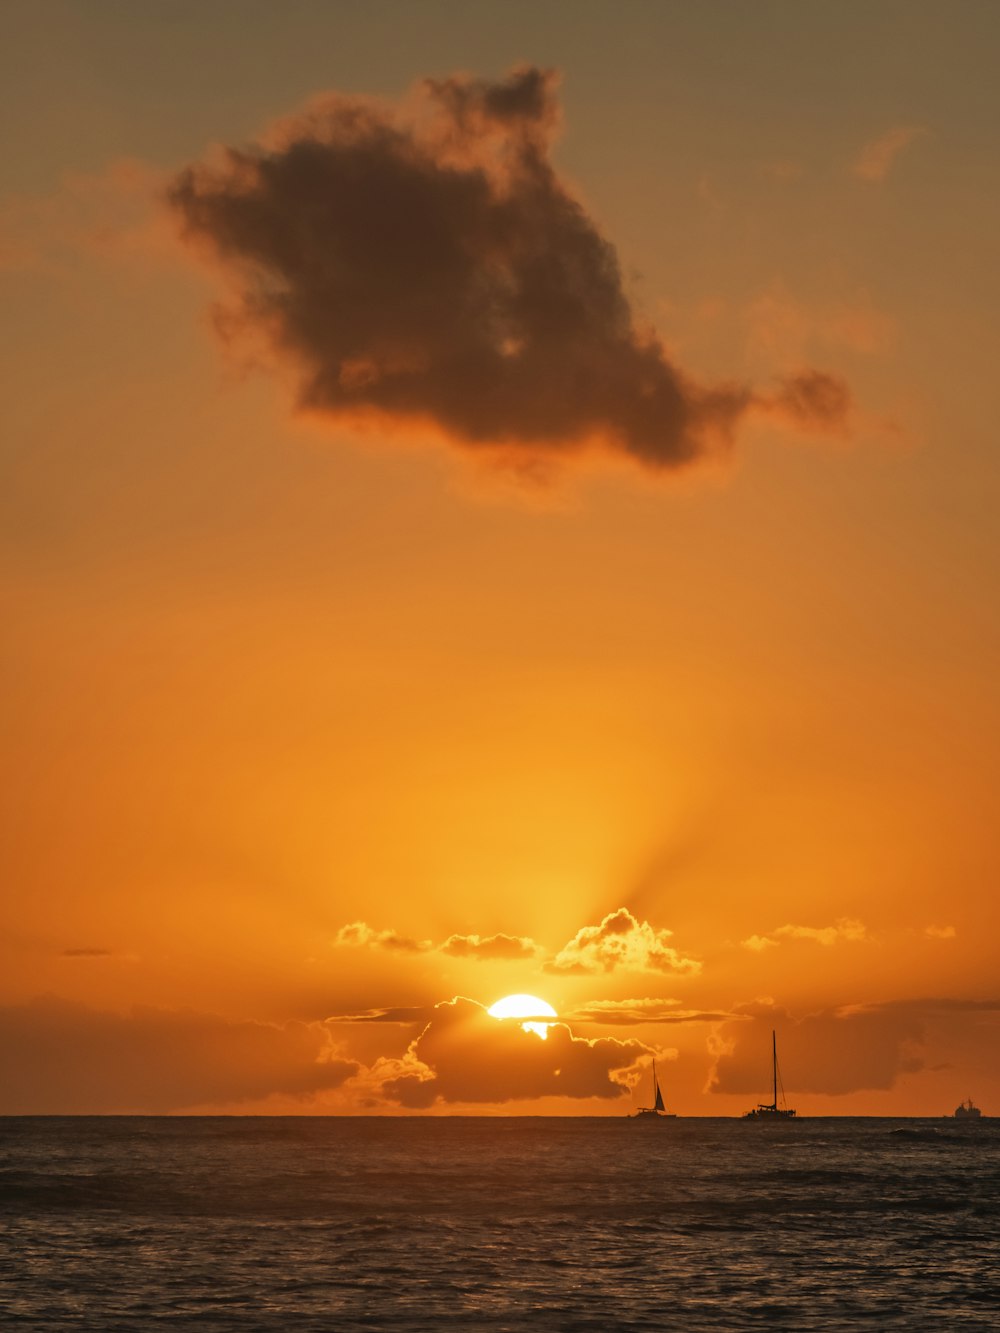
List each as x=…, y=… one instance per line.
x=632, y=1013
x=62, y=1058
x=852, y=1048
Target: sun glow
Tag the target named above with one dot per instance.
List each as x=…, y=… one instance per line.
x=528, y=1007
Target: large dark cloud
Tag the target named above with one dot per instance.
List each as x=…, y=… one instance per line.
x=60, y=1057
x=464, y=1055
x=848, y=1049
x=424, y=263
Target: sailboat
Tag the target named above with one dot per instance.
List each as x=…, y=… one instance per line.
x=771, y=1110
x=657, y=1111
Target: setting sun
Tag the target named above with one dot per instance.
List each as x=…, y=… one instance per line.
x=527, y=1007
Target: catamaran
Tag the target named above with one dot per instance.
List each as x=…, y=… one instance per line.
x=657, y=1111
x=771, y=1110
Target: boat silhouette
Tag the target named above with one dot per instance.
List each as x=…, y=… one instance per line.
x=771, y=1110
x=966, y=1111
x=657, y=1111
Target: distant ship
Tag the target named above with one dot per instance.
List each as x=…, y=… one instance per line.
x=966, y=1111
x=771, y=1110
x=657, y=1111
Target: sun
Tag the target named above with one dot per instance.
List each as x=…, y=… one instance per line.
x=527, y=1007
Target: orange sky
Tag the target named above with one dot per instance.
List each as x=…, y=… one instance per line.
x=603, y=626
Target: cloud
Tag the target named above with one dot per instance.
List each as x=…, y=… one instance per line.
x=465, y=1056
x=87, y=953
x=360, y=934
x=810, y=400
x=846, y=929
x=938, y=1005
x=758, y=943
x=490, y=947
x=833, y=1052
x=876, y=158
x=401, y=1014
x=60, y=1057
x=621, y=941
x=940, y=932
x=629, y=1013
x=847, y=1049
x=487, y=948
x=422, y=264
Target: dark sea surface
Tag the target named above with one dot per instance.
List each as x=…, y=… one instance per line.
x=310, y=1224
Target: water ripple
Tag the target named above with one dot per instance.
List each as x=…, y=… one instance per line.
x=219, y=1224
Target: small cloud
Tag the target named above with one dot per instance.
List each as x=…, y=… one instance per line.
x=876, y=158
x=846, y=929
x=942, y=1004
x=808, y=398
x=940, y=932
x=758, y=943
x=628, y=1013
x=483, y=948
x=360, y=934
x=400, y=1014
x=87, y=952
x=489, y=948
x=621, y=941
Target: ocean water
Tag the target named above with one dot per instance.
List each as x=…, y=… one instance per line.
x=315, y=1224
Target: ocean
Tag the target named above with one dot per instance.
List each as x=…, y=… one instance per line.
x=563, y=1224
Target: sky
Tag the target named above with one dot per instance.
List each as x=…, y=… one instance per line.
x=496, y=500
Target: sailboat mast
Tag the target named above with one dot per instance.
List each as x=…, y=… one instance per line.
x=774, y=1066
